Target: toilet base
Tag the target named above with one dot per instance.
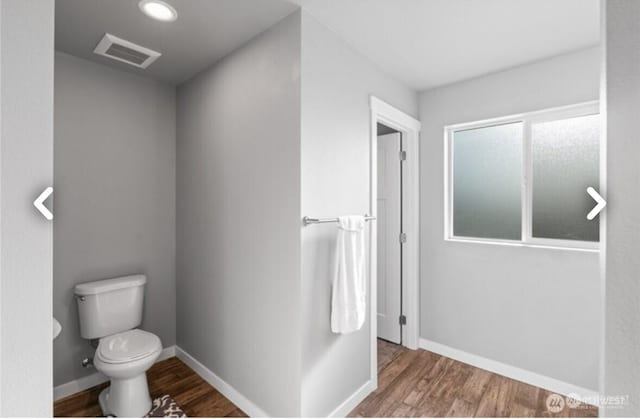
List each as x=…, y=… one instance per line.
x=102, y=400
x=126, y=397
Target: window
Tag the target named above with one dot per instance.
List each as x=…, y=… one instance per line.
x=523, y=179
x=487, y=167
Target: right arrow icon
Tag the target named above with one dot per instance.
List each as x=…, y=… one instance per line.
x=600, y=203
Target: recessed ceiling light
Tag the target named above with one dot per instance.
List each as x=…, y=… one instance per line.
x=158, y=10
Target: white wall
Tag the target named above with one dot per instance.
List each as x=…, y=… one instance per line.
x=534, y=308
x=115, y=196
x=622, y=338
x=238, y=219
x=26, y=168
x=336, y=84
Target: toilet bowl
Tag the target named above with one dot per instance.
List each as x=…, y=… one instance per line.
x=124, y=358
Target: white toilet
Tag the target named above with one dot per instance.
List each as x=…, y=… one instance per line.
x=110, y=310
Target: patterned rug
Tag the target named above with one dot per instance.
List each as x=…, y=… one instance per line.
x=165, y=407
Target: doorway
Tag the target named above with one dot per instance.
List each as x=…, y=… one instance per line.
x=394, y=201
x=390, y=235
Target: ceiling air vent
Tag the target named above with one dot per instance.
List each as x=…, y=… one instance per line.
x=124, y=51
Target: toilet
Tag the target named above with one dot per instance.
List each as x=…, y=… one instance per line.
x=110, y=310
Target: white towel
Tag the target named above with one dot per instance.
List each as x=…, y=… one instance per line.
x=348, y=301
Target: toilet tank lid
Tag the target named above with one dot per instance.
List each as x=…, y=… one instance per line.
x=106, y=285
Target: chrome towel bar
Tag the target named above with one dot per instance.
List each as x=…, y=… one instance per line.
x=306, y=220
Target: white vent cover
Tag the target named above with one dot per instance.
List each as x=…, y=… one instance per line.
x=124, y=51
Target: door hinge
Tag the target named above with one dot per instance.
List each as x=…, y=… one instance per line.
x=403, y=237
x=403, y=155
x=403, y=319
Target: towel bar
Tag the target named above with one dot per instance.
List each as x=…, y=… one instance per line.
x=306, y=220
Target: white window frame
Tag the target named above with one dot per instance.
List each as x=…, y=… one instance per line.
x=552, y=114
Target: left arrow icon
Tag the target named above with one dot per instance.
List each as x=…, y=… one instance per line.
x=39, y=203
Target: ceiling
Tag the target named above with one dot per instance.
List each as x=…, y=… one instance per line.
x=427, y=43
x=206, y=30
x=422, y=43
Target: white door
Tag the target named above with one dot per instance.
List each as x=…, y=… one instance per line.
x=389, y=229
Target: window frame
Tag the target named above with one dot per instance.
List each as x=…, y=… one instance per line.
x=526, y=181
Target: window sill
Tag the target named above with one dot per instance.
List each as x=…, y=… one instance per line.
x=522, y=244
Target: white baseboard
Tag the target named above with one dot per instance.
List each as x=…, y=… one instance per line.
x=222, y=386
x=354, y=400
x=76, y=386
x=506, y=370
x=84, y=383
x=227, y=390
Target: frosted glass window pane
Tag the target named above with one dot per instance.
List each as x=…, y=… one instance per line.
x=487, y=176
x=566, y=160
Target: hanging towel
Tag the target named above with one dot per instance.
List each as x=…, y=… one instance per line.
x=348, y=300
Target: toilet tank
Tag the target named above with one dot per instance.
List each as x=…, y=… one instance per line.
x=110, y=306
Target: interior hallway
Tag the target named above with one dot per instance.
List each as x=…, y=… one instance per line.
x=410, y=384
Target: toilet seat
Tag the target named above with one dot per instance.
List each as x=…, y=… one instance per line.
x=128, y=346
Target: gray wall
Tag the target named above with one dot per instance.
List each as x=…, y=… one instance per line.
x=238, y=219
x=622, y=338
x=26, y=168
x=532, y=308
x=336, y=84
x=115, y=196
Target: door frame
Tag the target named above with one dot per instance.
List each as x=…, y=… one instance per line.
x=410, y=128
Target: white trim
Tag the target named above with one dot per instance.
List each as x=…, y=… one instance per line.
x=168, y=352
x=76, y=386
x=549, y=114
x=569, y=245
x=373, y=248
x=604, y=139
x=526, y=119
x=410, y=128
x=509, y=371
x=92, y=380
x=353, y=401
x=520, y=244
x=222, y=386
x=526, y=187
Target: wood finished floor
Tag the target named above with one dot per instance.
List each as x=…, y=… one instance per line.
x=172, y=376
x=424, y=384
x=410, y=384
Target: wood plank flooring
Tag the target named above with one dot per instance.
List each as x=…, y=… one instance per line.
x=410, y=384
x=424, y=384
x=194, y=395
x=387, y=351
